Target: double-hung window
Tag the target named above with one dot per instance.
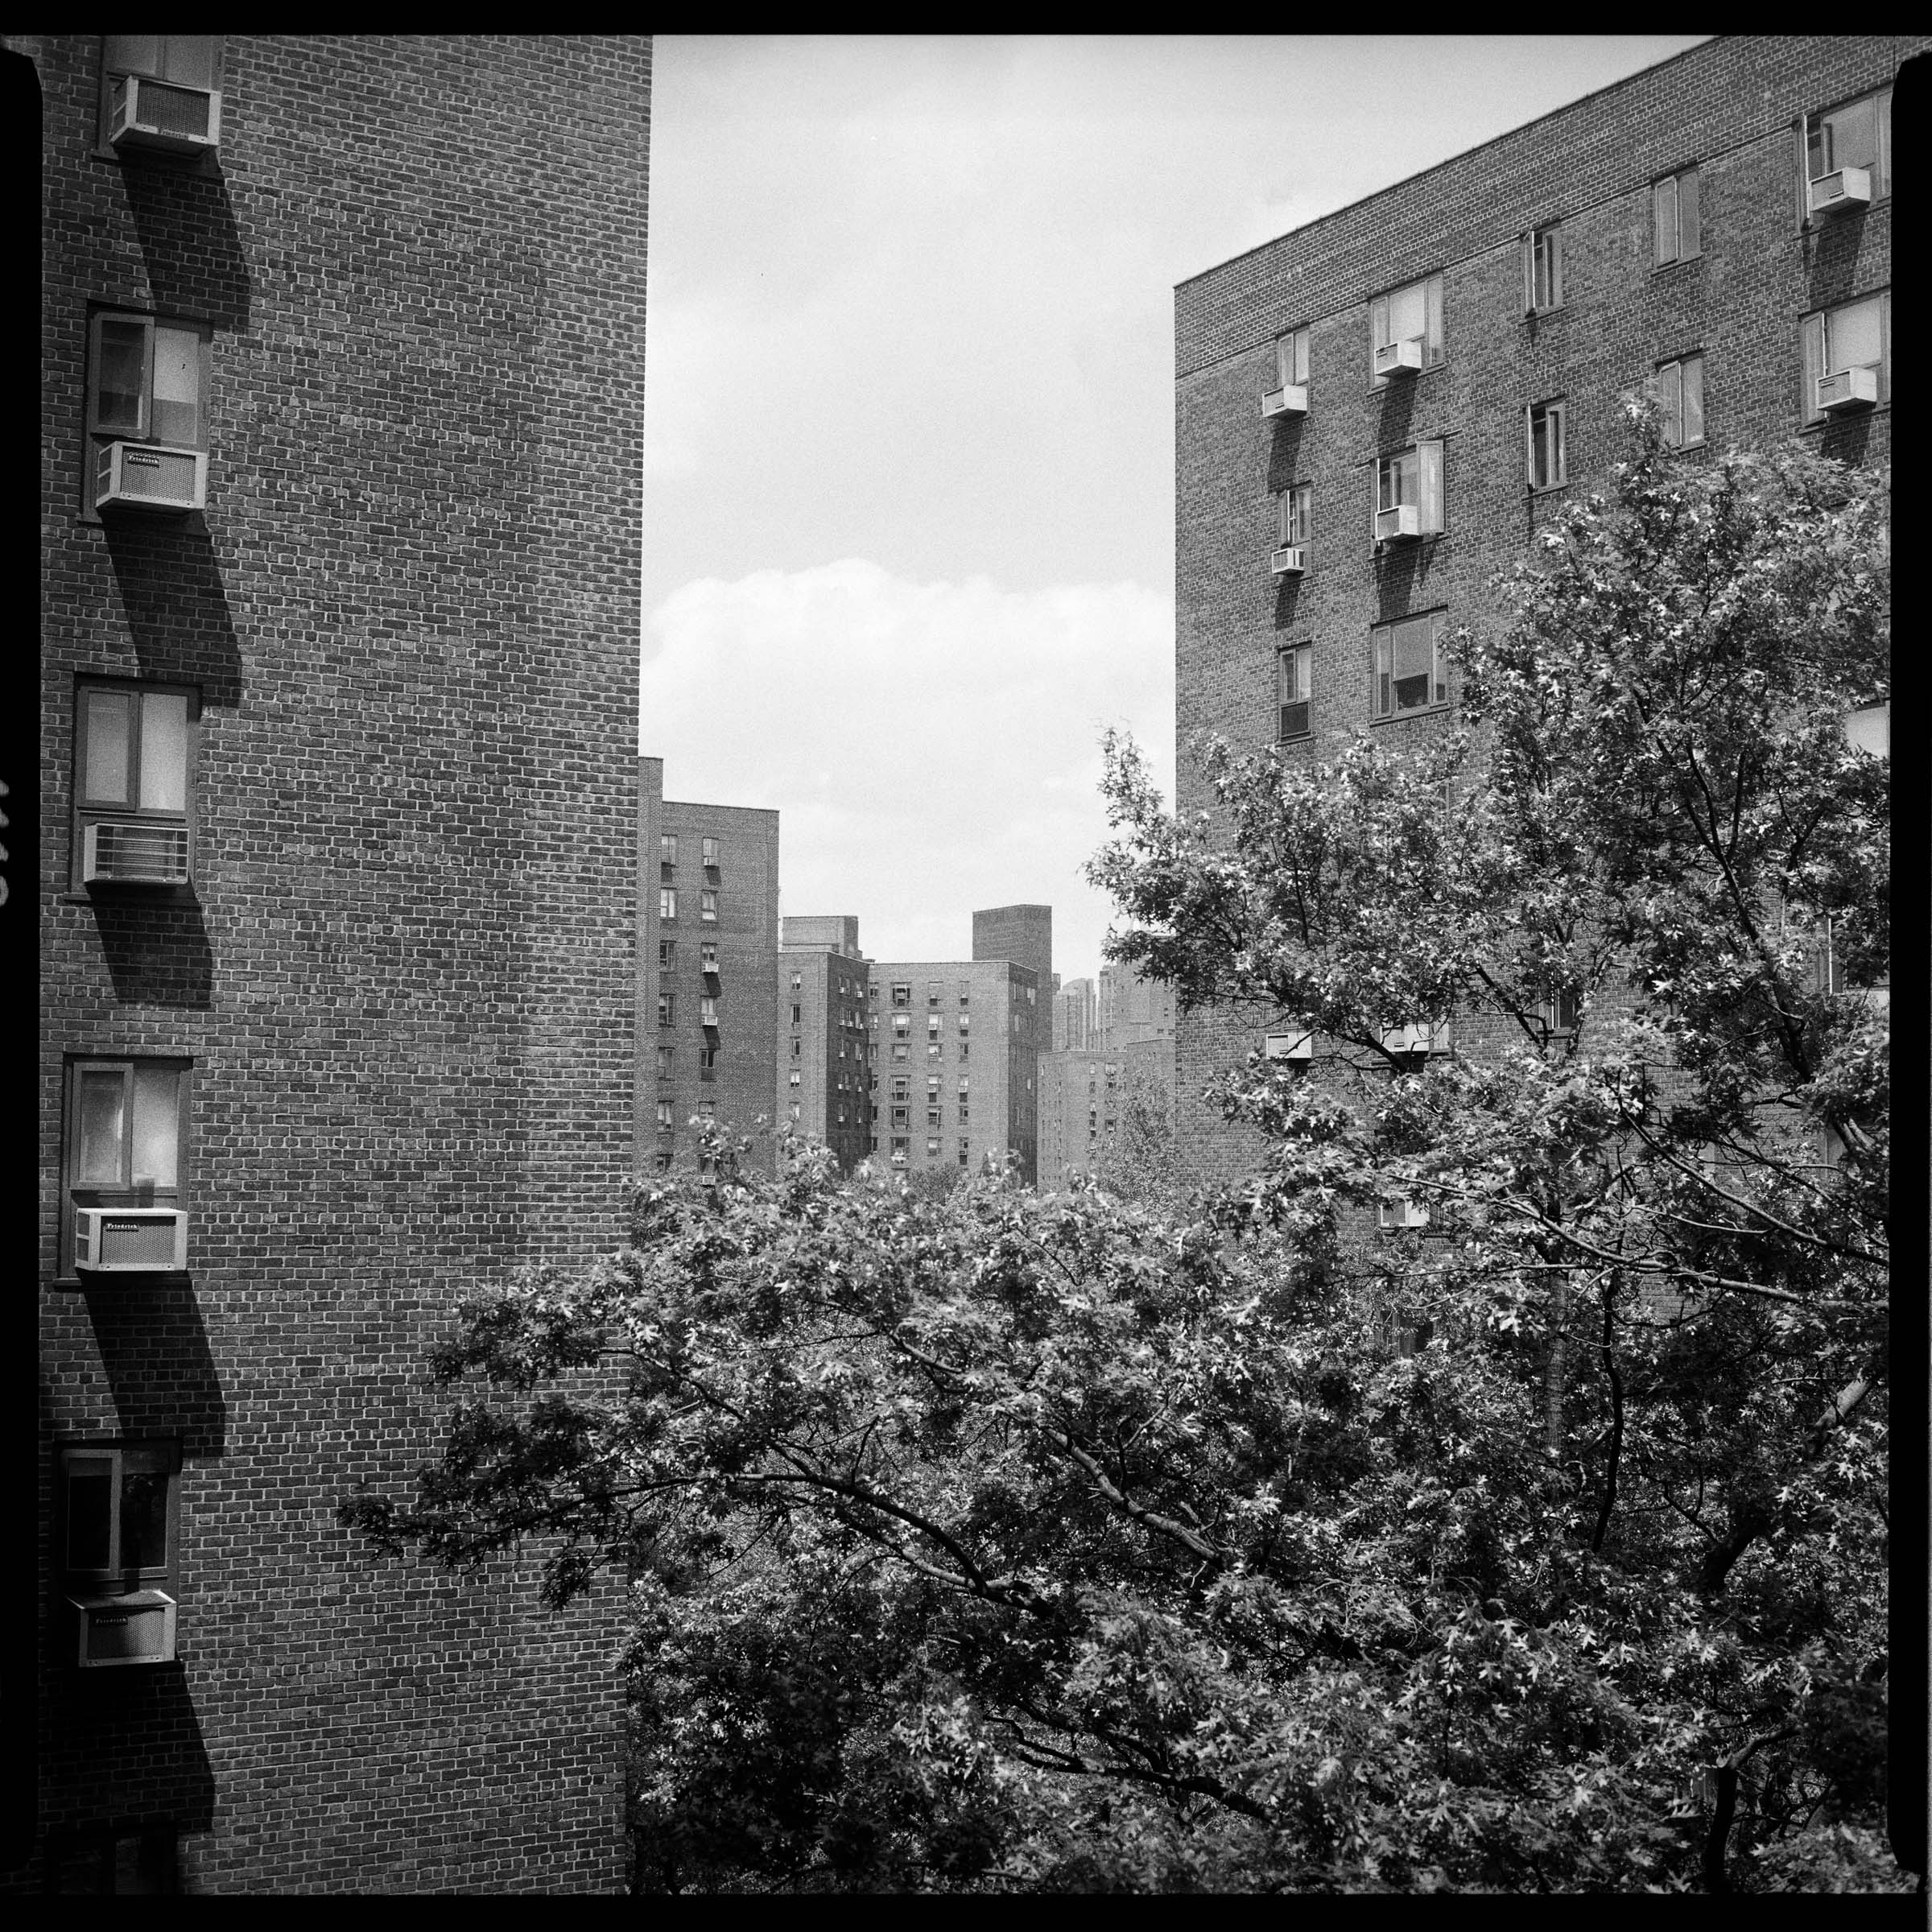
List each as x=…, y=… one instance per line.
x=133, y=760
x=162, y=92
x=1295, y=670
x=1680, y=396
x=1847, y=357
x=1297, y=507
x=667, y=955
x=1676, y=221
x=147, y=416
x=1410, y=671
x=707, y=960
x=1409, y=493
x=123, y=1203
x=1543, y=269
x=117, y=1510
x=1848, y=154
x=667, y=856
x=1289, y=395
x=667, y=902
x=1405, y=330
x=707, y=1010
x=708, y=906
x=1547, y=456
x=667, y=1009
x=710, y=855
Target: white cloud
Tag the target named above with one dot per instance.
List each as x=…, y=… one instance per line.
x=931, y=747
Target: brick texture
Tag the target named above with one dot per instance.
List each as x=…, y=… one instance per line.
x=405, y=974
x=1731, y=108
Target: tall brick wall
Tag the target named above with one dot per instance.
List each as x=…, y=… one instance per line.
x=404, y=973
x=1731, y=108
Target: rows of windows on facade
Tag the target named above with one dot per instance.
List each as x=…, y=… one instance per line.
x=701, y=1002
x=1841, y=360
x=144, y=458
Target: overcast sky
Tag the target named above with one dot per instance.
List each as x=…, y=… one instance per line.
x=908, y=538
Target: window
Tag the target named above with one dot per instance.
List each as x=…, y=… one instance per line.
x=1559, y=1014
x=1680, y=395
x=932, y=1147
x=1859, y=134
x=795, y=1011
x=901, y=1050
x=707, y=1062
x=902, y=1025
x=965, y=1049
x=126, y=1136
x=934, y=1049
x=664, y=1064
x=146, y=421
x=900, y=1144
x=965, y=994
x=1296, y=502
x=965, y=1149
x=798, y=979
x=707, y=1010
x=708, y=956
x=1410, y=673
x=133, y=759
x=710, y=854
x=1543, y=269
x=795, y=1048
x=1856, y=337
x=965, y=1022
x=1546, y=452
x=963, y=1112
x=1410, y=479
x=935, y=1116
x=667, y=1009
x=902, y=992
x=117, y=1537
x=1291, y=359
x=161, y=91
x=932, y=992
x=1413, y=314
x=932, y=1087
x=667, y=955
x=1295, y=667
x=667, y=902
x=1674, y=219
x=708, y=906
x=963, y=1086
x=664, y=1122
x=796, y=1076
x=667, y=851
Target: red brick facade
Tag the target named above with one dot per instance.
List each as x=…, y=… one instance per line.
x=403, y=973
x=1733, y=111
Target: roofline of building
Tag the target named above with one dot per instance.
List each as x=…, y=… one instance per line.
x=1448, y=160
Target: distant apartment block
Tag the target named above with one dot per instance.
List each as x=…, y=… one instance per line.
x=1075, y=1021
x=1082, y=1093
x=955, y=1052
x=1376, y=413
x=1023, y=933
x=824, y=1078
x=1130, y=1010
x=707, y=971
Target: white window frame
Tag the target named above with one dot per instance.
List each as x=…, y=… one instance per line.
x=1673, y=387
x=1677, y=226
x=1821, y=360
x=124, y=1190
x=1543, y=269
x=1814, y=166
x=1297, y=504
x=1431, y=337
x=1415, y=475
x=89, y=810
x=1291, y=359
x=1547, y=456
x=1294, y=683
x=1382, y=683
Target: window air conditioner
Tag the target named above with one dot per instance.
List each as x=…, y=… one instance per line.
x=120, y=851
x=1401, y=1213
x=1848, y=389
x=130, y=1240
x=1833, y=194
x=142, y=476
x=1289, y=1045
x=1291, y=400
x=1289, y=561
x=160, y=115
x=1403, y=358
x=1393, y=526
x=137, y=1629
x=1416, y=1039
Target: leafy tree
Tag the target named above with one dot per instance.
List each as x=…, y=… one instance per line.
x=1002, y=1541
x=1139, y=1158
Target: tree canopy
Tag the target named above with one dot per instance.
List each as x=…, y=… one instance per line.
x=1003, y=1541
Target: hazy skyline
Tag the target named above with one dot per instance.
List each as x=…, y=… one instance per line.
x=908, y=493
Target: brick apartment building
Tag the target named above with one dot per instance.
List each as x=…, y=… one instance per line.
x=342, y=347
x=824, y=1090
x=708, y=970
x=955, y=1048
x=1375, y=412
x=1074, y=1020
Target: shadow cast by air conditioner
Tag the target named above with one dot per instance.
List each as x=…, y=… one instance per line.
x=1287, y=593
x=157, y=951
x=1396, y=412
x=176, y=609
x=155, y=1353
x=186, y=224
x=1832, y=249
x=1401, y=578
x=1844, y=439
x=1284, y=453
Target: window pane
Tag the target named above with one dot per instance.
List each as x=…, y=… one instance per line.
x=1694, y=399
x=90, y=1506
x=177, y=385
x=144, y=1519
x=1670, y=396
x=1852, y=136
x=188, y=59
x=103, y=1091
x=1427, y=460
x=163, y=752
x=134, y=53
x=1690, y=232
x=119, y=380
x=1432, y=323
x=1666, y=220
x=104, y=780
x=157, y=1124
x=1852, y=336
x=1408, y=313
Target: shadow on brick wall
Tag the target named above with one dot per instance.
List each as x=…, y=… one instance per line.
x=186, y=228
x=1396, y=414
x=1284, y=454
x=155, y=1354
x=1831, y=255
x=157, y=952
x=177, y=611
x=1844, y=439
x=124, y=1750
